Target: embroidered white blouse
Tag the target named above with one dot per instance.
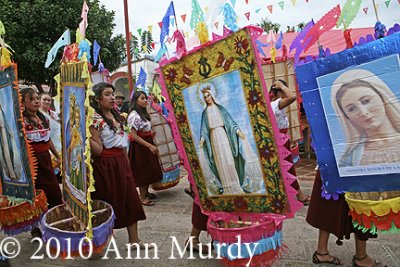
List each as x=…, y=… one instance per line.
x=37, y=133
x=136, y=122
x=109, y=138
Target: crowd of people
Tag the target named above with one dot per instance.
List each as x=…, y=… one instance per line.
x=118, y=173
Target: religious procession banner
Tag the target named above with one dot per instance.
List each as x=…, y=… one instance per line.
x=16, y=162
x=21, y=206
x=73, y=134
x=352, y=102
x=232, y=147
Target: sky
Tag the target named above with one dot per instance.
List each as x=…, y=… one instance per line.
x=143, y=13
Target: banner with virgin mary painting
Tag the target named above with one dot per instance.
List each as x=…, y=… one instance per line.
x=232, y=147
x=352, y=102
x=16, y=163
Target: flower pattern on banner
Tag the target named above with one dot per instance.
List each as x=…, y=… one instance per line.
x=238, y=45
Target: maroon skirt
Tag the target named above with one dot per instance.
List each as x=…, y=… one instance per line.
x=199, y=219
x=45, y=178
x=114, y=184
x=145, y=166
x=331, y=215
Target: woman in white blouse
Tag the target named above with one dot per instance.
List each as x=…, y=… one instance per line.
x=143, y=154
x=113, y=177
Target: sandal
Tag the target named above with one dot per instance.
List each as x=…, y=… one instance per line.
x=316, y=260
x=375, y=264
x=151, y=195
x=147, y=202
x=189, y=192
x=305, y=201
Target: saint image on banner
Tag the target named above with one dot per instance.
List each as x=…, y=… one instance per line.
x=75, y=149
x=229, y=164
x=10, y=161
x=362, y=110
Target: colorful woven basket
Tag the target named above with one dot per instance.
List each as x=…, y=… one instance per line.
x=169, y=180
x=261, y=232
x=375, y=211
x=59, y=223
x=17, y=217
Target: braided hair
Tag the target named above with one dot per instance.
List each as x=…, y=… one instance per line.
x=27, y=94
x=144, y=115
x=98, y=94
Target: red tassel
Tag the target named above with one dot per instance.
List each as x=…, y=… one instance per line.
x=347, y=37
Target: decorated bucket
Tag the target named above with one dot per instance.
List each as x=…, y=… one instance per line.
x=260, y=232
x=61, y=228
x=17, y=217
x=375, y=211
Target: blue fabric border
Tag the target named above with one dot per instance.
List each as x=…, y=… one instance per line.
x=306, y=76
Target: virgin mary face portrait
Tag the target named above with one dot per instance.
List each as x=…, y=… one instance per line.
x=363, y=107
x=208, y=98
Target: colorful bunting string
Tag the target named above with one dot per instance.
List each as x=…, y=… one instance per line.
x=349, y=12
x=270, y=8
x=165, y=22
x=65, y=39
x=183, y=17
x=258, y=10
x=326, y=23
x=233, y=2
x=247, y=15
x=96, y=51
x=365, y=9
x=197, y=15
x=387, y=3
x=294, y=2
x=260, y=46
x=281, y=4
x=230, y=17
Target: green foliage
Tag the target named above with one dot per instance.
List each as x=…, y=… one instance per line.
x=268, y=25
x=144, y=47
x=134, y=49
x=146, y=40
x=33, y=26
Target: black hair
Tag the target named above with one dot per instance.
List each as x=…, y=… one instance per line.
x=275, y=90
x=98, y=94
x=28, y=93
x=356, y=83
x=144, y=115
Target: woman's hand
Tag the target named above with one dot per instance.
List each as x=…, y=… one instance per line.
x=201, y=143
x=241, y=135
x=278, y=85
x=153, y=149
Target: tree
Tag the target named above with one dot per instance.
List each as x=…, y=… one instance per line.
x=146, y=39
x=268, y=25
x=134, y=49
x=32, y=27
